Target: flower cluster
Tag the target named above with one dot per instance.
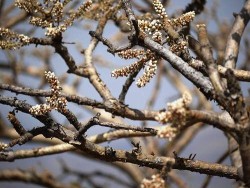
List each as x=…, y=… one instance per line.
x=178, y=46
x=176, y=111
x=49, y=14
x=175, y=114
x=183, y=19
x=52, y=102
x=30, y=6
x=12, y=40
x=156, y=181
x=156, y=27
x=57, y=11
x=39, y=22
x=146, y=58
x=53, y=31
x=159, y=9
x=160, y=26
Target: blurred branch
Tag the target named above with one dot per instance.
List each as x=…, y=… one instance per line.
x=177, y=180
x=83, y=176
x=220, y=160
x=16, y=20
x=43, y=179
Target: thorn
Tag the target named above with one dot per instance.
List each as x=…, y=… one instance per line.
x=193, y=156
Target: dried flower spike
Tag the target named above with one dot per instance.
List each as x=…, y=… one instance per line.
x=159, y=9
x=175, y=114
x=176, y=111
x=149, y=73
x=54, y=101
x=146, y=58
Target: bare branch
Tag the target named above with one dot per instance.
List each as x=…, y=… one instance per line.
x=43, y=179
x=233, y=41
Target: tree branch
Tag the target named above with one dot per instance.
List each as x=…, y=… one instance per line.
x=113, y=107
x=45, y=179
x=233, y=41
x=53, y=130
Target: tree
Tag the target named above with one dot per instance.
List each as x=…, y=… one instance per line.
x=203, y=67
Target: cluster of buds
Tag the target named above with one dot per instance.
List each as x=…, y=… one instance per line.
x=156, y=28
x=57, y=11
x=49, y=14
x=149, y=72
x=54, y=101
x=131, y=53
x=183, y=19
x=156, y=181
x=146, y=58
x=153, y=25
x=125, y=71
x=159, y=9
x=150, y=27
x=39, y=22
x=53, y=31
x=29, y=6
x=178, y=47
x=176, y=113
x=12, y=40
